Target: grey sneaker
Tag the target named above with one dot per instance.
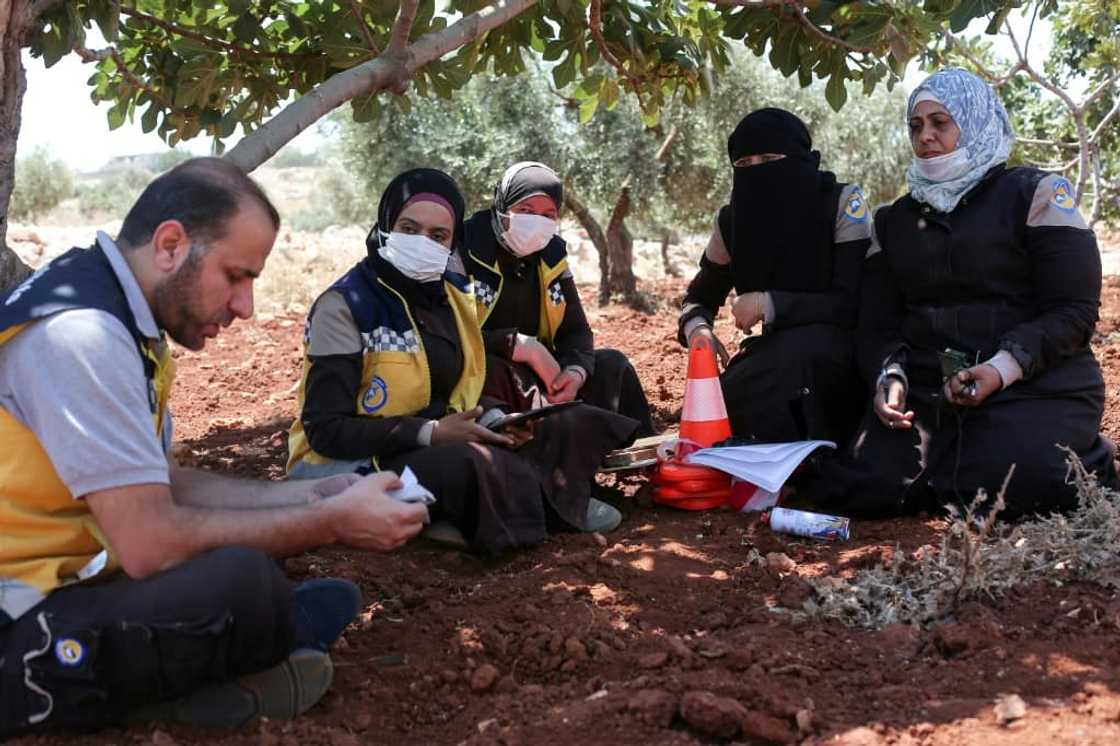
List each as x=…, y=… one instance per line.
x=282, y=692
x=601, y=517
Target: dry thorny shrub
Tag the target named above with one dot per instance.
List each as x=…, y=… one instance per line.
x=981, y=558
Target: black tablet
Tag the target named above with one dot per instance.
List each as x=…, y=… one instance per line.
x=519, y=418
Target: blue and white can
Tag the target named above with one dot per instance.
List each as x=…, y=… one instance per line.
x=809, y=525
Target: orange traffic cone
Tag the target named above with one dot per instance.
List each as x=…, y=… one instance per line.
x=704, y=422
x=704, y=415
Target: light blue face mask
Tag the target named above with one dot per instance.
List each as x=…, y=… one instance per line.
x=985, y=141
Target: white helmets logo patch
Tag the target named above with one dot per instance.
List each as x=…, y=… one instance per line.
x=376, y=396
x=1063, y=196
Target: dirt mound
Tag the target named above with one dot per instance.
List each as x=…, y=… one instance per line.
x=671, y=633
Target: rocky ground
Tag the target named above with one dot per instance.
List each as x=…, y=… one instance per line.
x=667, y=631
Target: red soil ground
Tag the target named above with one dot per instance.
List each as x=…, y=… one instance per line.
x=663, y=633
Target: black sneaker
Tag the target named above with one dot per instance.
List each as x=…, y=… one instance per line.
x=278, y=693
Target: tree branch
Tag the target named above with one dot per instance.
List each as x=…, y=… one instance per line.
x=997, y=81
x=1047, y=143
x=368, y=77
x=1104, y=121
x=815, y=30
x=402, y=27
x=1100, y=89
x=663, y=151
x=39, y=7
x=595, y=26
x=1075, y=111
x=209, y=41
x=89, y=55
x=363, y=27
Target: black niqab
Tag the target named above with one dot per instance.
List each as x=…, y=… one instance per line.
x=780, y=214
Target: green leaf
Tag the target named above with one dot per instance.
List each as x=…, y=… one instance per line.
x=150, y=118
x=107, y=15
x=970, y=9
x=836, y=93
x=784, y=54
x=116, y=115
x=247, y=29
x=196, y=80
x=587, y=108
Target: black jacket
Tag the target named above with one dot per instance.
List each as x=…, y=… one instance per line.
x=1013, y=268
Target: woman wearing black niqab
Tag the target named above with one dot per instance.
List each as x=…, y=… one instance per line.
x=791, y=243
x=393, y=374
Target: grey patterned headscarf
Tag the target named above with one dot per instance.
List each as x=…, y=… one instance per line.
x=986, y=133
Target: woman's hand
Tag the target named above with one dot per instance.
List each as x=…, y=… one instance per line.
x=749, y=309
x=890, y=404
x=565, y=386
x=971, y=386
x=460, y=427
x=530, y=351
x=705, y=332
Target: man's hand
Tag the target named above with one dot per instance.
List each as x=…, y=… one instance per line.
x=364, y=517
x=971, y=386
x=565, y=386
x=890, y=404
x=705, y=333
x=460, y=427
x=530, y=351
x=749, y=309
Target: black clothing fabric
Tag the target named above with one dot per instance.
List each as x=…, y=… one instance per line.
x=977, y=280
x=333, y=427
x=403, y=188
x=518, y=309
x=220, y=615
x=779, y=212
x=798, y=380
x=502, y=499
x=615, y=387
x=797, y=384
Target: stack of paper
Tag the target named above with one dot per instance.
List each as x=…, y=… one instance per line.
x=767, y=465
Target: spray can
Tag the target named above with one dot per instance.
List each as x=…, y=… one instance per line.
x=810, y=525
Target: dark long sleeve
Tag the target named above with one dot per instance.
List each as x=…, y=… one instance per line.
x=1066, y=269
x=882, y=308
x=574, y=342
x=836, y=306
x=334, y=429
x=706, y=293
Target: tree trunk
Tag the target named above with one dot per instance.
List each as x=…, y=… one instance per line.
x=667, y=241
x=598, y=240
x=621, y=247
x=14, y=18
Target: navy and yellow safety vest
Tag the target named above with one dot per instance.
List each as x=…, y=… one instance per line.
x=552, y=264
x=49, y=538
x=396, y=380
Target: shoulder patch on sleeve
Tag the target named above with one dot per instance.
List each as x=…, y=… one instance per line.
x=853, y=218
x=716, y=250
x=1054, y=205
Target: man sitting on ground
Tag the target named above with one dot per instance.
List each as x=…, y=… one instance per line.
x=130, y=588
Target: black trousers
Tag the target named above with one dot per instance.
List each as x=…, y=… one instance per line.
x=88, y=654
x=615, y=387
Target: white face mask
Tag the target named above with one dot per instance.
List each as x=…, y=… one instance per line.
x=417, y=257
x=528, y=234
x=942, y=168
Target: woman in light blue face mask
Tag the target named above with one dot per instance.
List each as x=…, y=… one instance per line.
x=529, y=308
x=980, y=296
x=393, y=377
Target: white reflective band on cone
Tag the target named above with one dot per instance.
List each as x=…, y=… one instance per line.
x=703, y=401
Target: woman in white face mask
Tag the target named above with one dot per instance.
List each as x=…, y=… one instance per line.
x=393, y=378
x=529, y=307
x=979, y=299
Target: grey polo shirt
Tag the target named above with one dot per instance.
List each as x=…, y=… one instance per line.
x=77, y=381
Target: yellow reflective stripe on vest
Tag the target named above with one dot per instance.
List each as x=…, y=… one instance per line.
x=553, y=303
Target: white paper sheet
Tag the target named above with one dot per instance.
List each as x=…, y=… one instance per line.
x=767, y=465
